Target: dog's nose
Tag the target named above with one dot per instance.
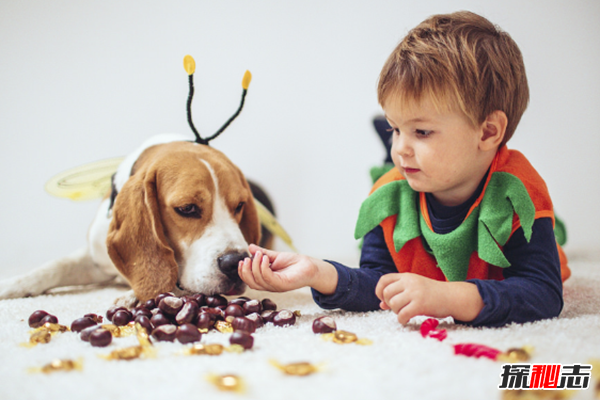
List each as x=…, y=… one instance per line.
x=228, y=263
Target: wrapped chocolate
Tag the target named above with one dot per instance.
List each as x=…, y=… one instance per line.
x=516, y=355
x=44, y=334
x=345, y=337
x=59, y=365
x=228, y=382
x=298, y=369
x=223, y=327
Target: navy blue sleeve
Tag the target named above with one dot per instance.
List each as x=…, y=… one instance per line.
x=355, y=290
x=532, y=285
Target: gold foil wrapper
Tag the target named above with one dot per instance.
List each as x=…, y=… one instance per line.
x=44, y=334
x=120, y=331
x=515, y=355
x=205, y=349
x=128, y=353
x=223, y=327
x=345, y=337
x=59, y=365
x=142, y=335
x=228, y=382
x=297, y=313
x=297, y=369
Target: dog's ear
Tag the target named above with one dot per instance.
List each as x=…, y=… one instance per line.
x=250, y=224
x=136, y=241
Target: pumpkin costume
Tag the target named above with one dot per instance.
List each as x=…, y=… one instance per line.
x=505, y=245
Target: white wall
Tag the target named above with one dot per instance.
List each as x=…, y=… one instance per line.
x=83, y=81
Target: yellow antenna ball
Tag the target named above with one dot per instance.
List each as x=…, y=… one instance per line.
x=246, y=80
x=189, y=64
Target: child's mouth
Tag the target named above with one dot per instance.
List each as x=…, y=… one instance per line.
x=411, y=170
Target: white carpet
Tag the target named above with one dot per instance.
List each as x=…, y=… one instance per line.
x=400, y=364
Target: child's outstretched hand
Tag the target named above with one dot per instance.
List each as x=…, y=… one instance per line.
x=409, y=295
x=279, y=272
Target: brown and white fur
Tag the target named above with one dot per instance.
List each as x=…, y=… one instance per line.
x=182, y=218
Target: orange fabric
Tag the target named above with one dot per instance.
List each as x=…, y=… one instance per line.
x=414, y=258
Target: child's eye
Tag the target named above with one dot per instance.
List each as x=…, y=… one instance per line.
x=395, y=130
x=423, y=133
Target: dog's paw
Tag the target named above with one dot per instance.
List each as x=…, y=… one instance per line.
x=14, y=288
x=128, y=300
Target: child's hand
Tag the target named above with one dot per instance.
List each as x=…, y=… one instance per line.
x=280, y=272
x=409, y=295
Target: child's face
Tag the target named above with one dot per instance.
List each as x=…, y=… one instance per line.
x=437, y=152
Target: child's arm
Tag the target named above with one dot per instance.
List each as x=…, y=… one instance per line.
x=409, y=295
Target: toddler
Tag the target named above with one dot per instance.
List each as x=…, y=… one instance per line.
x=462, y=226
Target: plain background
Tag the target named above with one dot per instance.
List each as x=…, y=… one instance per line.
x=84, y=81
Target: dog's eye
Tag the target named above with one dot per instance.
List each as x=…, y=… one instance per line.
x=189, y=211
x=239, y=207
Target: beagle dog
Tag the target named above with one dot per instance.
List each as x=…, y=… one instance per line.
x=178, y=219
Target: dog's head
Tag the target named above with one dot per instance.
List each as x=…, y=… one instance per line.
x=184, y=218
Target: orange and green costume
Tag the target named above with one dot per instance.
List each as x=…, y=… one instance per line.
x=513, y=197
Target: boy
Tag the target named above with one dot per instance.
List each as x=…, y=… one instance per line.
x=462, y=227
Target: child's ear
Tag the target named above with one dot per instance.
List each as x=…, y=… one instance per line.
x=493, y=130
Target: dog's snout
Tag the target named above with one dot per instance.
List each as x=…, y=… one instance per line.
x=228, y=263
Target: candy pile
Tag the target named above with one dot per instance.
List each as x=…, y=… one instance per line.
x=169, y=318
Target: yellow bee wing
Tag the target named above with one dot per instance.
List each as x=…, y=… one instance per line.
x=269, y=221
x=85, y=182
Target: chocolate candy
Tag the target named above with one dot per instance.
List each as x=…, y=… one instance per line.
x=100, y=338
x=35, y=319
x=94, y=317
x=216, y=300
x=85, y=334
x=49, y=319
x=170, y=305
x=111, y=311
x=284, y=318
x=161, y=296
x=252, y=306
x=165, y=333
x=268, y=304
x=240, y=300
x=188, y=313
x=257, y=319
x=144, y=322
x=188, y=333
x=232, y=311
x=243, y=324
x=81, y=323
x=324, y=324
x=205, y=321
x=121, y=317
x=268, y=315
x=242, y=338
x=159, y=319
x=141, y=310
x=150, y=304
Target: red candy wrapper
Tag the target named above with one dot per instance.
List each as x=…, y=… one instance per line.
x=428, y=329
x=476, y=350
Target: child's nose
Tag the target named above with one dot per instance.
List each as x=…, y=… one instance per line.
x=402, y=146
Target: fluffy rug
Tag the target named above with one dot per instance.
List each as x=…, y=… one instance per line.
x=399, y=364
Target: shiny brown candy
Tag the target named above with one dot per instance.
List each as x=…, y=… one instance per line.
x=216, y=301
x=240, y=300
x=165, y=333
x=94, y=317
x=159, y=319
x=121, y=317
x=252, y=306
x=111, y=311
x=170, y=305
x=35, y=319
x=205, y=321
x=150, y=304
x=140, y=310
x=188, y=313
x=100, y=338
x=216, y=312
x=268, y=315
x=232, y=311
x=324, y=324
x=257, y=319
x=243, y=324
x=81, y=323
x=188, y=333
x=161, y=296
x=268, y=304
x=144, y=322
x=284, y=318
x=85, y=334
x=51, y=319
x=242, y=338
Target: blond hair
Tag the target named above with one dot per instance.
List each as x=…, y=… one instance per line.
x=459, y=61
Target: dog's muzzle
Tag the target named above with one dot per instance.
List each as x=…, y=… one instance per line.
x=228, y=264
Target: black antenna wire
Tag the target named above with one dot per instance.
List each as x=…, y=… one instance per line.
x=189, y=111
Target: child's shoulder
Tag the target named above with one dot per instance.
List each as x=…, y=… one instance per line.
x=390, y=176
